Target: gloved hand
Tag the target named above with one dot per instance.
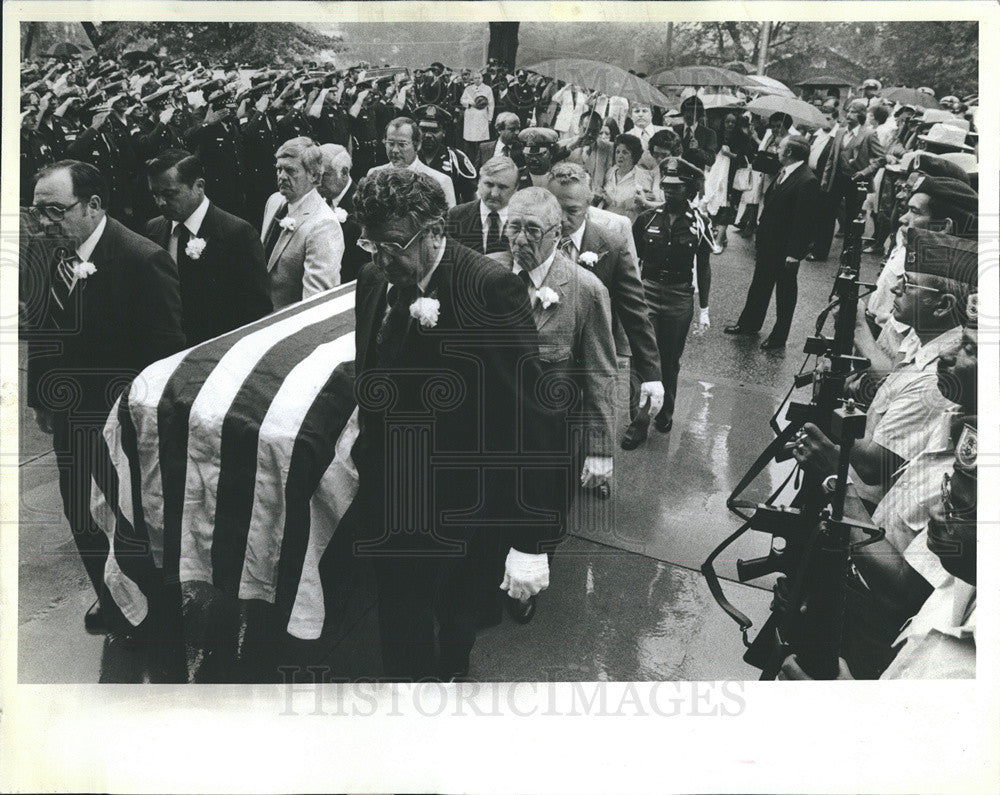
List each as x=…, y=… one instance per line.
x=703, y=323
x=596, y=470
x=525, y=575
x=654, y=391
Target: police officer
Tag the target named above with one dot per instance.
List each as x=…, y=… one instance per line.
x=673, y=242
x=258, y=130
x=332, y=125
x=36, y=151
x=541, y=151
x=434, y=122
x=521, y=98
x=216, y=140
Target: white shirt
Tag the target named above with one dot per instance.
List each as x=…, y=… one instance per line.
x=498, y=151
x=537, y=275
x=86, y=248
x=484, y=215
x=335, y=202
x=646, y=133
x=818, y=145
x=192, y=222
x=577, y=238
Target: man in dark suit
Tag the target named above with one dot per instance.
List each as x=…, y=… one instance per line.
x=589, y=245
x=698, y=141
x=479, y=224
x=220, y=260
x=444, y=385
x=337, y=189
x=783, y=236
x=507, y=143
x=821, y=147
x=114, y=308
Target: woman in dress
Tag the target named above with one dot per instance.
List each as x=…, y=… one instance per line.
x=736, y=147
x=626, y=182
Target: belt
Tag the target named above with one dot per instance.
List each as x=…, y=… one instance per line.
x=662, y=276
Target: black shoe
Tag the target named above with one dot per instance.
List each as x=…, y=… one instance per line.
x=95, y=620
x=664, y=424
x=771, y=344
x=636, y=433
x=736, y=328
x=521, y=612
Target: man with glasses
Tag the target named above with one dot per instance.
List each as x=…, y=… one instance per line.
x=447, y=376
x=113, y=308
x=402, y=142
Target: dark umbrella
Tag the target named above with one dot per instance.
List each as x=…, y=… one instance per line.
x=825, y=81
x=65, y=49
x=603, y=78
x=699, y=76
x=910, y=96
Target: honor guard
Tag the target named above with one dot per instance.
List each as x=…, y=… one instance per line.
x=434, y=122
x=219, y=148
x=674, y=241
x=260, y=141
x=36, y=152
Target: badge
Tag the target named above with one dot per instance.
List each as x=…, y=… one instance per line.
x=967, y=447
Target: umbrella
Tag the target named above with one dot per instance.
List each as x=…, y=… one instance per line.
x=602, y=77
x=711, y=101
x=699, y=76
x=768, y=85
x=64, y=49
x=137, y=56
x=824, y=81
x=800, y=111
x=910, y=96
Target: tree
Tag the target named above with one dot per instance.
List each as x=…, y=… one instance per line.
x=503, y=42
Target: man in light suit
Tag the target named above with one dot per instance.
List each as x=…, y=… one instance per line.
x=402, y=143
x=619, y=273
x=572, y=311
x=113, y=308
x=303, y=241
x=217, y=254
x=479, y=224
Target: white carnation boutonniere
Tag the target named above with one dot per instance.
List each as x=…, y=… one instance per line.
x=287, y=223
x=194, y=247
x=547, y=296
x=81, y=270
x=340, y=214
x=588, y=258
x=426, y=311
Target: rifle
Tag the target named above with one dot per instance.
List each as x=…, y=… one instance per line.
x=810, y=543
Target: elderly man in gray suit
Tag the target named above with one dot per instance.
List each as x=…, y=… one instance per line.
x=572, y=310
x=303, y=241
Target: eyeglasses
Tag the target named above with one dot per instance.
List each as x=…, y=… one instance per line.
x=389, y=248
x=952, y=511
x=397, y=144
x=53, y=212
x=531, y=231
x=906, y=284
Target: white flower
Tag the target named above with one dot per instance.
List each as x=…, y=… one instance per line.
x=426, y=310
x=340, y=214
x=287, y=223
x=548, y=296
x=588, y=258
x=81, y=270
x=195, y=246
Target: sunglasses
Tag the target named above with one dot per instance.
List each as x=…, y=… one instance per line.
x=53, y=212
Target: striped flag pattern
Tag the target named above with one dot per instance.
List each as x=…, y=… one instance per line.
x=229, y=463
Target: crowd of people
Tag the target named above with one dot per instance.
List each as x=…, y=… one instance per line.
x=193, y=201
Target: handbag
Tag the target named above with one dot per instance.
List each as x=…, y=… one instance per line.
x=742, y=179
x=766, y=163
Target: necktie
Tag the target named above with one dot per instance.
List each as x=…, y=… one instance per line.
x=529, y=285
x=568, y=247
x=179, y=239
x=389, y=339
x=493, y=242
x=505, y=151
x=687, y=137
x=274, y=231
x=63, y=281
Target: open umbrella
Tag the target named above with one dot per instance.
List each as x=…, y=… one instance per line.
x=699, y=76
x=826, y=81
x=800, y=111
x=64, y=49
x=768, y=85
x=910, y=96
x=602, y=77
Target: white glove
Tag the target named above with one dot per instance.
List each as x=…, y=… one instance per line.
x=166, y=115
x=703, y=323
x=654, y=391
x=525, y=575
x=597, y=469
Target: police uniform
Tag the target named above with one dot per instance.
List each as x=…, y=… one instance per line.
x=98, y=148
x=220, y=149
x=449, y=161
x=668, y=253
x=260, y=142
x=36, y=151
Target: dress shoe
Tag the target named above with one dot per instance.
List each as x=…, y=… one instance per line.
x=521, y=612
x=814, y=258
x=636, y=433
x=664, y=424
x=736, y=328
x=95, y=621
x=772, y=344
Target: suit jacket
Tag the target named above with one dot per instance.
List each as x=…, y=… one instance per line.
x=487, y=148
x=123, y=317
x=619, y=273
x=618, y=227
x=862, y=157
x=465, y=224
x=468, y=387
x=354, y=258
x=786, y=222
x=231, y=266
x=576, y=341
x=702, y=155
x=306, y=260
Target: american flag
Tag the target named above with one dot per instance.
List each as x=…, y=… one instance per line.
x=229, y=463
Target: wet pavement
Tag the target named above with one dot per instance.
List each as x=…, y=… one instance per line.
x=626, y=599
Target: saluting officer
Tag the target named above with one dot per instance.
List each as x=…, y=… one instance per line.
x=260, y=141
x=673, y=242
x=219, y=148
x=434, y=121
x=36, y=152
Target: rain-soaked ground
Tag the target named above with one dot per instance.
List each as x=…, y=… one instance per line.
x=626, y=600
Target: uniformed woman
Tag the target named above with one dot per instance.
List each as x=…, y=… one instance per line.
x=674, y=242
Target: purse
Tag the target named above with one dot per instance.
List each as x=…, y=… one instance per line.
x=766, y=163
x=742, y=179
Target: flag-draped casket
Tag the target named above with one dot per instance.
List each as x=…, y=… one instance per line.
x=229, y=463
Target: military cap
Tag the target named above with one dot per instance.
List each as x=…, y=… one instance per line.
x=949, y=193
x=538, y=137
x=926, y=90
x=217, y=96
x=437, y=65
x=670, y=172
x=871, y=82
x=938, y=254
x=433, y=113
x=935, y=166
x=903, y=109
x=949, y=100
x=160, y=93
x=107, y=69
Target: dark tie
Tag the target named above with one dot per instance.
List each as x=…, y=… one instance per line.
x=525, y=277
x=687, y=137
x=274, y=231
x=389, y=338
x=62, y=282
x=493, y=241
x=568, y=247
x=183, y=238
x=505, y=151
